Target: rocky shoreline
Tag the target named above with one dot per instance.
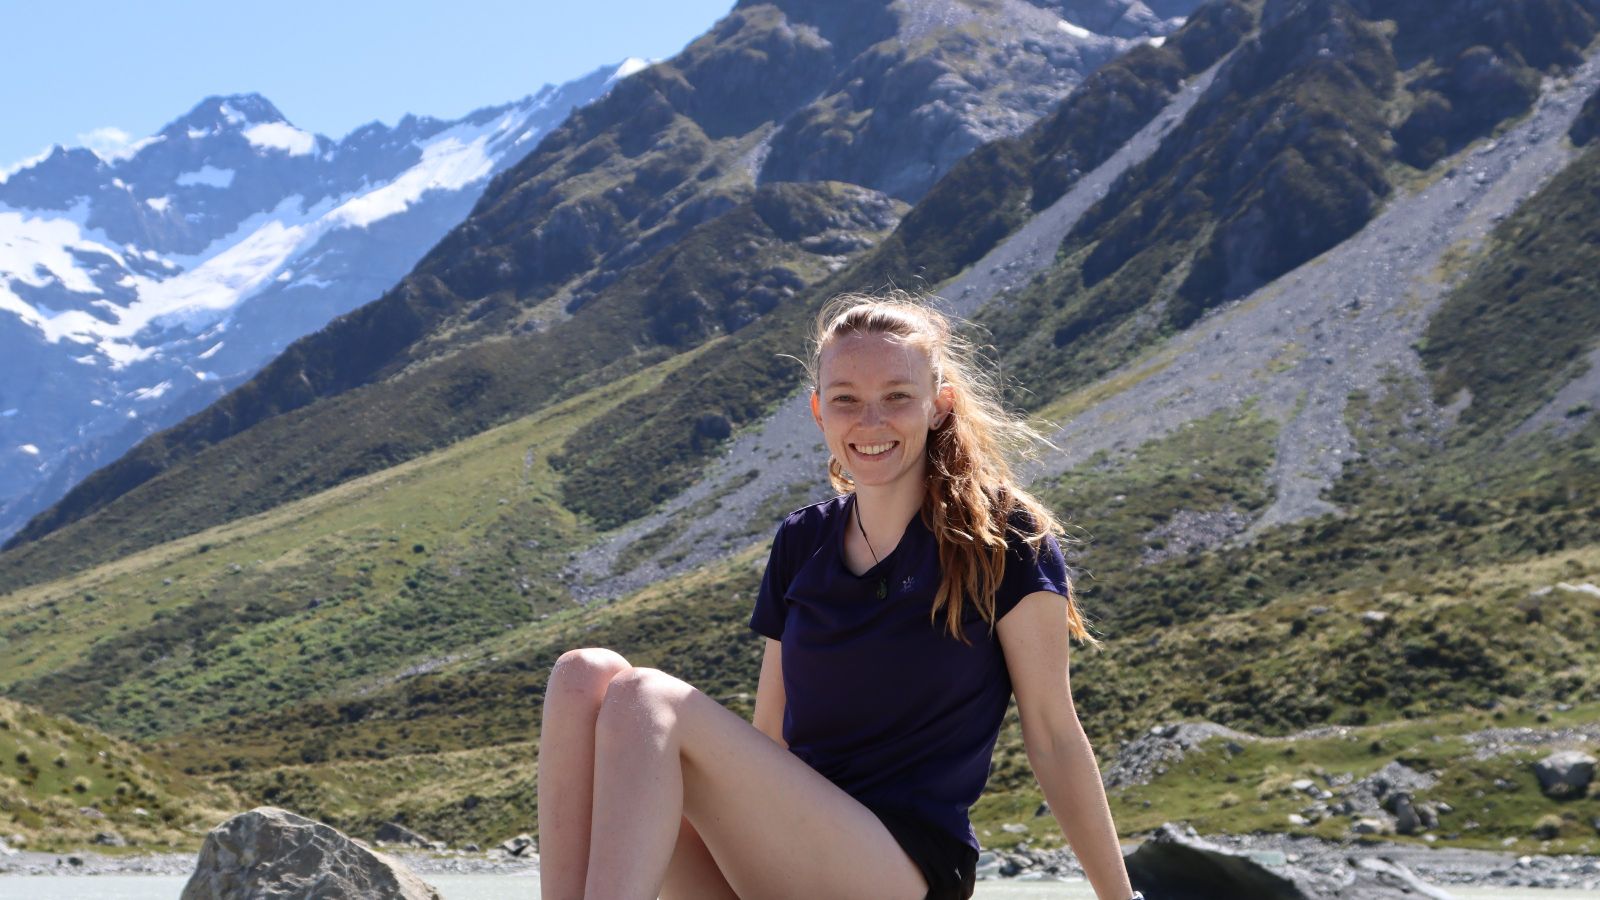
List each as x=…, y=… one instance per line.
x=89, y=863
x=1438, y=866
x=1442, y=866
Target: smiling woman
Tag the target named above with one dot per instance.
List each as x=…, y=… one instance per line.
x=900, y=618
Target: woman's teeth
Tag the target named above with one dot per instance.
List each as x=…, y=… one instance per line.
x=874, y=449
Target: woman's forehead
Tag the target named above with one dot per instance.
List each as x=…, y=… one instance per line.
x=873, y=358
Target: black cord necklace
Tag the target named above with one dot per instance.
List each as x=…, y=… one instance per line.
x=883, y=581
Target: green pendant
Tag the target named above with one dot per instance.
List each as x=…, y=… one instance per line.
x=883, y=588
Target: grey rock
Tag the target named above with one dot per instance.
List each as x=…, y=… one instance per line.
x=272, y=854
x=519, y=845
x=1177, y=865
x=395, y=833
x=1565, y=774
x=1152, y=753
x=110, y=839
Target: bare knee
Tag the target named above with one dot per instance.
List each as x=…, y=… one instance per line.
x=586, y=671
x=641, y=701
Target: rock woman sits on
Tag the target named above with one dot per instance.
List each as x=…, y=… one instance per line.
x=899, y=618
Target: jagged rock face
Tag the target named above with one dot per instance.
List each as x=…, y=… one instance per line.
x=902, y=114
x=272, y=853
x=143, y=287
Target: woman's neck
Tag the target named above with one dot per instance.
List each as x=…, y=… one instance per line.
x=885, y=512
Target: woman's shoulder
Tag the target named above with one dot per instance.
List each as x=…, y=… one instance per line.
x=813, y=518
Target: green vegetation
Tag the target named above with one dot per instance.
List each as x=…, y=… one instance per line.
x=1522, y=323
x=52, y=769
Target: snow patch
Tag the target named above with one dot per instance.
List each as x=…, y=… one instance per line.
x=14, y=168
x=29, y=449
x=1077, y=31
x=159, y=204
x=451, y=160
x=281, y=136
x=210, y=176
x=152, y=392
x=629, y=66
x=1158, y=40
x=113, y=144
x=212, y=352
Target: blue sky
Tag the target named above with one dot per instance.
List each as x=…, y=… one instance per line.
x=72, y=70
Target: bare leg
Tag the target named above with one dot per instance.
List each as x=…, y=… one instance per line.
x=573, y=695
x=693, y=874
x=572, y=699
x=665, y=751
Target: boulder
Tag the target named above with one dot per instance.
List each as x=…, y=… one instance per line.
x=1176, y=864
x=272, y=854
x=1565, y=774
x=519, y=845
x=395, y=833
x=6, y=851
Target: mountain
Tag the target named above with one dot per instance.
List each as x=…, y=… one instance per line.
x=486, y=325
x=140, y=289
x=1319, y=375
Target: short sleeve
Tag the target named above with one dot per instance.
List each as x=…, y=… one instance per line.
x=771, y=607
x=1027, y=573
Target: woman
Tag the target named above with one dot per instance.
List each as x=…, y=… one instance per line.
x=899, y=619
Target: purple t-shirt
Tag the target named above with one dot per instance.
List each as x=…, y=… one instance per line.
x=880, y=700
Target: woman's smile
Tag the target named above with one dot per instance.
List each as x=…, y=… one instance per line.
x=874, y=451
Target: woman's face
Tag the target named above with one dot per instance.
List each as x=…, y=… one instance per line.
x=877, y=394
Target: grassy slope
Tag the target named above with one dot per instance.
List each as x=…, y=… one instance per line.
x=353, y=583
x=52, y=769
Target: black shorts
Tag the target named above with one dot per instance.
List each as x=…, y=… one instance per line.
x=949, y=865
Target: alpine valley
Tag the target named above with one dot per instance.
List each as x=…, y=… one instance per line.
x=1302, y=290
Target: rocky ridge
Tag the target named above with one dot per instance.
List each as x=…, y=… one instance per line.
x=1285, y=344
x=785, y=451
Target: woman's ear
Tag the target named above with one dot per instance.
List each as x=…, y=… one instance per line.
x=946, y=402
x=816, y=408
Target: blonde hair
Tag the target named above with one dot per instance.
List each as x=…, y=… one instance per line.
x=972, y=492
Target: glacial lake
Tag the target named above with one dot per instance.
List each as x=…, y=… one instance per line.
x=526, y=887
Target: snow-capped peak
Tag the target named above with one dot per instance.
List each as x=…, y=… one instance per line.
x=235, y=112
x=629, y=66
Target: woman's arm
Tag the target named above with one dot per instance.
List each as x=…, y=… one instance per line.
x=1034, y=638
x=770, y=698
